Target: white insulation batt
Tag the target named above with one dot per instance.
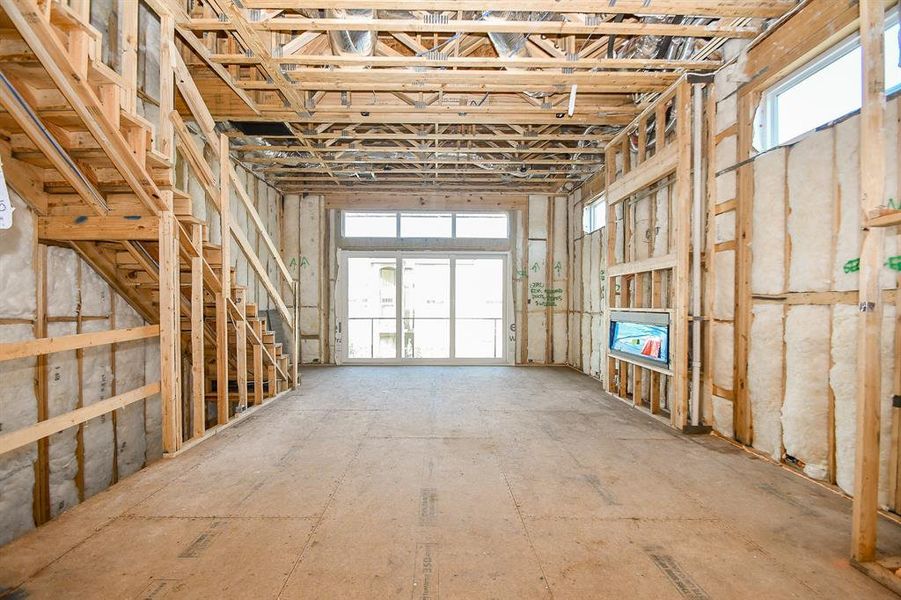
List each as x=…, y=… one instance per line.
x=18, y=409
x=62, y=272
x=559, y=276
x=538, y=281
x=811, y=189
x=843, y=380
x=661, y=216
x=724, y=274
x=768, y=224
x=766, y=362
x=847, y=242
x=97, y=379
x=17, y=281
x=805, y=409
x=153, y=416
x=310, y=266
x=62, y=397
x=130, y=359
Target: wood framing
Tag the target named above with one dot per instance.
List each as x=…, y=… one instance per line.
x=869, y=353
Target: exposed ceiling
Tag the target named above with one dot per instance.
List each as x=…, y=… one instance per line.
x=329, y=95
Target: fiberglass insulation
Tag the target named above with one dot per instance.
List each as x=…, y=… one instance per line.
x=768, y=224
x=805, y=407
x=62, y=397
x=130, y=360
x=765, y=367
x=810, y=214
x=18, y=409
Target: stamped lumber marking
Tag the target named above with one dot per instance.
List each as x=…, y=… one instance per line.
x=595, y=483
x=159, y=588
x=681, y=580
x=425, y=572
x=428, y=506
x=203, y=541
x=772, y=490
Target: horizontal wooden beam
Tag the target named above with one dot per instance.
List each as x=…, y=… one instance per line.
x=707, y=8
x=425, y=136
x=424, y=150
x=656, y=263
x=28, y=435
x=626, y=81
x=78, y=228
x=432, y=200
x=29, y=348
x=618, y=116
x=471, y=62
x=282, y=24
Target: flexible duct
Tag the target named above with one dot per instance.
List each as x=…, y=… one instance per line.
x=351, y=43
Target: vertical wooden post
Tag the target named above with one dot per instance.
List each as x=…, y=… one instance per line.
x=170, y=335
x=241, y=348
x=869, y=376
x=128, y=18
x=296, y=332
x=681, y=233
x=165, y=142
x=744, y=234
x=42, y=466
x=258, y=363
x=225, y=278
x=198, y=372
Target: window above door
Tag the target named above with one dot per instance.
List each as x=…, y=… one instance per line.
x=417, y=225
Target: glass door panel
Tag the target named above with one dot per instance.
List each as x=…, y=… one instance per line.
x=426, y=307
x=479, y=308
x=371, y=307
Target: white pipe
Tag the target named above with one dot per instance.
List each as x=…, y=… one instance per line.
x=697, y=197
x=572, y=100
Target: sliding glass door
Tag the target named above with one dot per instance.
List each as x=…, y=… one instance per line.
x=419, y=307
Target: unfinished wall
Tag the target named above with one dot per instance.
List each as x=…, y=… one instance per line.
x=588, y=298
x=803, y=348
x=546, y=336
x=539, y=266
x=306, y=226
x=720, y=272
x=80, y=461
x=804, y=239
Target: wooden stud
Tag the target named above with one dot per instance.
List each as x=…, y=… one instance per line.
x=869, y=359
x=170, y=332
x=198, y=374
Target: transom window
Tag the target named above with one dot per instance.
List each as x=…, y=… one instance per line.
x=594, y=215
x=426, y=224
x=825, y=89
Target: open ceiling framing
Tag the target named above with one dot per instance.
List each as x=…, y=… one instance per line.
x=465, y=95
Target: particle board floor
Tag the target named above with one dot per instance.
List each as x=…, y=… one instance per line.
x=428, y=482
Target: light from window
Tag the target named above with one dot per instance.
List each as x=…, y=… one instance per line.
x=594, y=216
x=375, y=225
x=426, y=225
x=482, y=225
x=824, y=90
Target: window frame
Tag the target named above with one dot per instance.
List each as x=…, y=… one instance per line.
x=400, y=239
x=766, y=122
x=589, y=209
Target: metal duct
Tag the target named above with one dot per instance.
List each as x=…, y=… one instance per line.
x=351, y=43
x=512, y=45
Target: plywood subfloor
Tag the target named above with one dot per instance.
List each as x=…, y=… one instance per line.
x=428, y=482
